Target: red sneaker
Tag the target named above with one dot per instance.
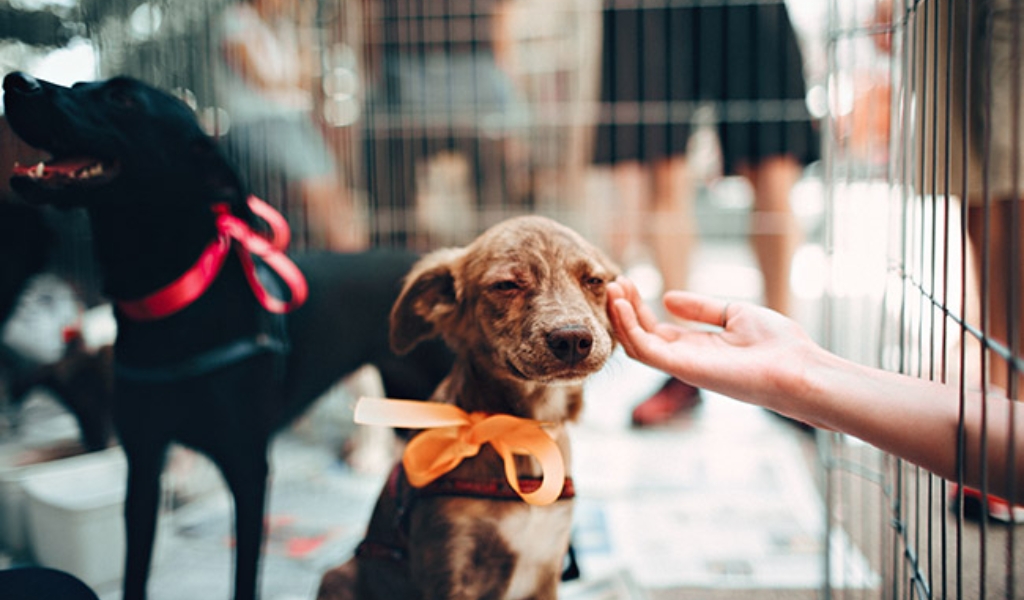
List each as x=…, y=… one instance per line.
x=998, y=508
x=673, y=398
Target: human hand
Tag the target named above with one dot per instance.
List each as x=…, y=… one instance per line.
x=744, y=351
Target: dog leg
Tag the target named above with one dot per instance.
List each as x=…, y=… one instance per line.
x=246, y=476
x=142, y=501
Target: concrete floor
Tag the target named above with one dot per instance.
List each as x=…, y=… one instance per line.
x=724, y=503
x=630, y=498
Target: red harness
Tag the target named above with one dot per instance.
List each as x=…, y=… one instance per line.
x=186, y=289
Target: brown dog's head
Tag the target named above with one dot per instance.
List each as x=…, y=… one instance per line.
x=524, y=302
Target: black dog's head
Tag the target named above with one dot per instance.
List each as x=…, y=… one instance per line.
x=118, y=140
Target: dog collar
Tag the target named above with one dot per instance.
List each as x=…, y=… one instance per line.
x=491, y=489
x=185, y=290
x=393, y=544
x=451, y=435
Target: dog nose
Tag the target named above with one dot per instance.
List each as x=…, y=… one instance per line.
x=570, y=344
x=21, y=83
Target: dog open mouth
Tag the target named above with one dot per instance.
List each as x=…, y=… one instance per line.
x=67, y=172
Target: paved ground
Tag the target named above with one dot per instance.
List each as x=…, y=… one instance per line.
x=721, y=504
x=724, y=503
x=721, y=501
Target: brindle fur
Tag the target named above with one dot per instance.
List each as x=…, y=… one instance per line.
x=523, y=307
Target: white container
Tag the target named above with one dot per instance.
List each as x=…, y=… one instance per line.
x=13, y=503
x=13, y=512
x=75, y=515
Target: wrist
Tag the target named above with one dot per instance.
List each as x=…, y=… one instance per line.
x=812, y=390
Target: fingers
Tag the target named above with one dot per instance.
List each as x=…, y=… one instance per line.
x=697, y=307
x=655, y=347
x=646, y=339
x=627, y=327
x=616, y=290
x=631, y=316
x=632, y=320
x=625, y=288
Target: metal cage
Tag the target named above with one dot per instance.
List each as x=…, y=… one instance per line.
x=920, y=119
x=924, y=136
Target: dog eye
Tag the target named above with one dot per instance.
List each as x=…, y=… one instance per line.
x=505, y=286
x=593, y=281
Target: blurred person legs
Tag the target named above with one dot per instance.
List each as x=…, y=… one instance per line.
x=656, y=212
x=995, y=229
x=995, y=208
x=774, y=237
x=661, y=67
x=1005, y=261
x=976, y=40
x=266, y=68
x=333, y=219
x=670, y=223
x=440, y=84
x=285, y=162
x=426, y=190
x=775, y=233
x=971, y=147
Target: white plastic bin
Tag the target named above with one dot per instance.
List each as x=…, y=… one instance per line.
x=75, y=515
x=13, y=502
x=13, y=512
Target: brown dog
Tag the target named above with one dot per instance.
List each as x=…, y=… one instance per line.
x=523, y=307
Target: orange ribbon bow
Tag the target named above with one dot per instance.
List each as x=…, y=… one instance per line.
x=451, y=435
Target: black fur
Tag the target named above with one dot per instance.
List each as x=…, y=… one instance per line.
x=26, y=243
x=151, y=218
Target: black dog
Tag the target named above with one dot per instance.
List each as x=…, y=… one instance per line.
x=223, y=373
x=26, y=244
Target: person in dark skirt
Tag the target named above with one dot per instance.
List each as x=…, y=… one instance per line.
x=666, y=65
x=439, y=81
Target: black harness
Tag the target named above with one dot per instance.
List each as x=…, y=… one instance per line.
x=272, y=337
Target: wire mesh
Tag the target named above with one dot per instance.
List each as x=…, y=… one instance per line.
x=438, y=118
x=925, y=112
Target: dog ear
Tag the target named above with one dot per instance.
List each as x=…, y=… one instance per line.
x=429, y=297
x=217, y=174
x=222, y=181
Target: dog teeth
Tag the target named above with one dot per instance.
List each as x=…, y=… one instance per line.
x=35, y=172
x=89, y=172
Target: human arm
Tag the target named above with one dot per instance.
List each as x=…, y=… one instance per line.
x=763, y=358
x=503, y=36
x=268, y=50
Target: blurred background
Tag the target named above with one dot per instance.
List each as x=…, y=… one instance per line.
x=804, y=154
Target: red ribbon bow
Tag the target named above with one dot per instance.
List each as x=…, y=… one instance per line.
x=185, y=290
